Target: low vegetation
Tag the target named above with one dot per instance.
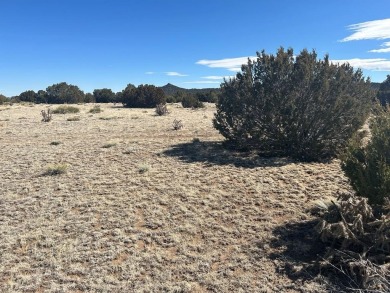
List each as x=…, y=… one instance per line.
x=109, y=145
x=66, y=109
x=357, y=227
x=46, y=115
x=367, y=165
x=95, y=109
x=191, y=101
x=75, y=118
x=161, y=110
x=56, y=169
x=177, y=124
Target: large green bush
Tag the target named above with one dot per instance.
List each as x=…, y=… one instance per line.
x=368, y=166
x=191, y=101
x=296, y=106
x=144, y=96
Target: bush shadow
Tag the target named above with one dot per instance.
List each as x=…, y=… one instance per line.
x=298, y=252
x=214, y=153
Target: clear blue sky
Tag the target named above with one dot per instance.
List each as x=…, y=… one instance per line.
x=190, y=43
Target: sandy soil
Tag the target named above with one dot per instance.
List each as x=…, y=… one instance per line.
x=145, y=208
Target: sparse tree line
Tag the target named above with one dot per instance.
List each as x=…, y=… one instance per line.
x=143, y=96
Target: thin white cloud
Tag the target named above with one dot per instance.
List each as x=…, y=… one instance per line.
x=150, y=72
x=203, y=82
x=370, y=30
x=173, y=73
x=385, y=49
x=213, y=77
x=376, y=64
x=232, y=64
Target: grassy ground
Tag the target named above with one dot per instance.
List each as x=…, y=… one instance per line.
x=140, y=207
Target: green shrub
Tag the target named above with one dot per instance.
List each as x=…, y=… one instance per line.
x=144, y=96
x=3, y=99
x=384, y=92
x=55, y=170
x=110, y=118
x=297, y=106
x=95, y=109
x=104, y=96
x=64, y=109
x=171, y=99
x=63, y=93
x=75, y=118
x=109, y=145
x=143, y=169
x=368, y=166
x=190, y=101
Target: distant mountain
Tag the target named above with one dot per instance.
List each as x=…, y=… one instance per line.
x=170, y=89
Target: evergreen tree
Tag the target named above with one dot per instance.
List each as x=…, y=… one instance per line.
x=384, y=92
x=293, y=106
x=144, y=96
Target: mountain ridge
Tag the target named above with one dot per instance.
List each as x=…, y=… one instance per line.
x=171, y=89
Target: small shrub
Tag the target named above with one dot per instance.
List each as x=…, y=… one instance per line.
x=55, y=170
x=190, y=101
x=359, y=242
x=131, y=150
x=46, y=115
x=368, y=166
x=55, y=143
x=177, y=124
x=143, y=169
x=161, y=109
x=109, y=145
x=75, y=118
x=196, y=140
x=95, y=109
x=110, y=118
x=64, y=109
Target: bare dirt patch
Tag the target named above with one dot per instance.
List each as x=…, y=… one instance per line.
x=199, y=219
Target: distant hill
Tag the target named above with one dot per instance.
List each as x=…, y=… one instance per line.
x=170, y=89
x=375, y=85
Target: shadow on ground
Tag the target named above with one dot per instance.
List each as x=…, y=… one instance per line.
x=297, y=251
x=214, y=153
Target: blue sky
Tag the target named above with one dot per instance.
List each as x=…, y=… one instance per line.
x=190, y=43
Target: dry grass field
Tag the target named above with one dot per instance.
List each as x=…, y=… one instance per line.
x=141, y=207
